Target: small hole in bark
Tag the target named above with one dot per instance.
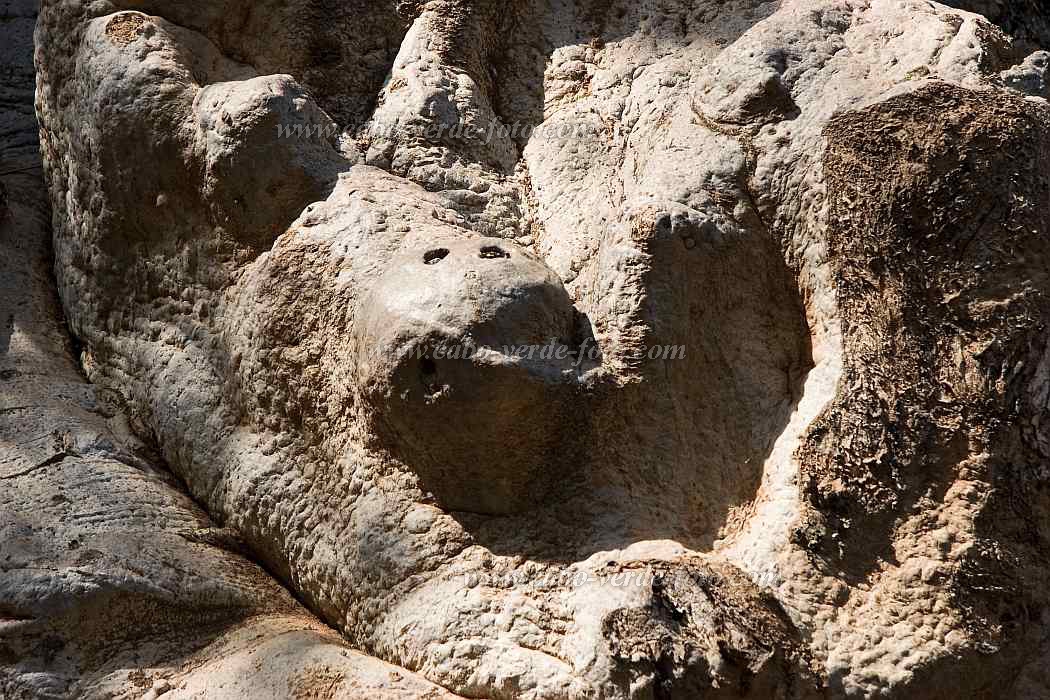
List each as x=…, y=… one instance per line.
x=491, y=252
x=433, y=257
x=428, y=377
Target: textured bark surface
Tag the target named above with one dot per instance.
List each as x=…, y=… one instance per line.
x=113, y=583
x=836, y=207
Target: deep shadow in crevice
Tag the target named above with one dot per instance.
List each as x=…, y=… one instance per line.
x=676, y=453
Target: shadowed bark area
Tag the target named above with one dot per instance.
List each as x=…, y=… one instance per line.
x=1028, y=21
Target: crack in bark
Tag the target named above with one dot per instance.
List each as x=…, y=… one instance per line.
x=50, y=461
